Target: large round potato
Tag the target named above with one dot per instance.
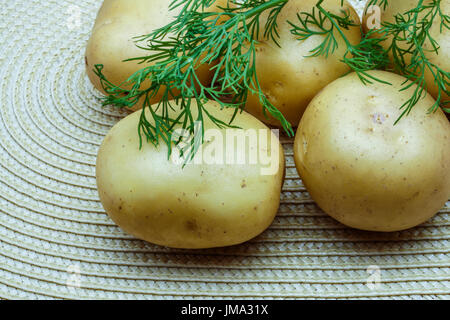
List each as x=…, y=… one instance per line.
x=442, y=60
x=218, y=202
x=362, y=169
x=287, y=76
x=112, y=41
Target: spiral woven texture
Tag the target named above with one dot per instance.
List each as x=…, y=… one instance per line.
x=57, y=242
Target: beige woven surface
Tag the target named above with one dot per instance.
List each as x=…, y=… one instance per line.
x=54, y=232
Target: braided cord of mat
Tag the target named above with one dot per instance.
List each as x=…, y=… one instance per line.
x=57, y=242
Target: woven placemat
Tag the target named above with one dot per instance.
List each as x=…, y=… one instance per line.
x=57, y=242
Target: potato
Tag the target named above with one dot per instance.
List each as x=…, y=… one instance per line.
x=442, y=59
x=362, y=169
x=205, y=204
x=287, y=76
x=111, y=42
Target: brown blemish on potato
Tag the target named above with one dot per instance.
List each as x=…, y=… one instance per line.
x=243, y=184
x=86, y=60
x=279, y=84
x=191, y=225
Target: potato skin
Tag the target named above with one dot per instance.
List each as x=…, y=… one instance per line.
x=442, y=59
x=200, y=206
x=287, y=76
x=111, y=41
x=364, y=171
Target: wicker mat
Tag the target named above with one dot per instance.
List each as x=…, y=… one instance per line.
x=57, y=242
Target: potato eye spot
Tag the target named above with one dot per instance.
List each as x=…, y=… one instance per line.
x=303, y=147
x=378, y=118
x=191, y=225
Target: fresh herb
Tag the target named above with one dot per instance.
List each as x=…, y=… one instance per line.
x=227, y=40
x=409, y=34
x=380, y=3
x=362, y=57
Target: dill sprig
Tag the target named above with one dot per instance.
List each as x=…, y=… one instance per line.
x=381, y=3
x=225, y=39
x=362, y=57
x=410, y=34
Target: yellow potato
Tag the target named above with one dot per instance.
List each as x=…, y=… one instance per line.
x=112, y=40
x=362, y=169
x=442, y=59
x=287, y=76
x=205, y=204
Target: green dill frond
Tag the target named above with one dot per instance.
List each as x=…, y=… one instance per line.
x=362, y=57
x=226, y=40
x=381, y=3
x=175, y=52
x=410, y=46
x=410, y=32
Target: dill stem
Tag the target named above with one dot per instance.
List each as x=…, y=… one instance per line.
x=263, y=7
x=336, y=26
